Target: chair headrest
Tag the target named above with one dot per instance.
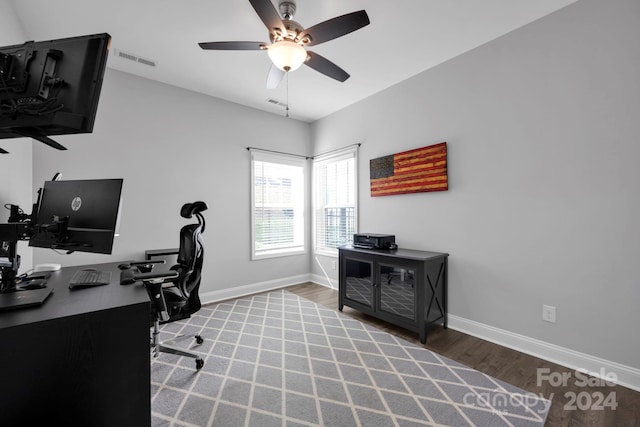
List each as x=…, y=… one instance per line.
x=190, y=209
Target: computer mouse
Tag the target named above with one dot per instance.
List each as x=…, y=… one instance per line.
x=126, y=277
x=124, y=266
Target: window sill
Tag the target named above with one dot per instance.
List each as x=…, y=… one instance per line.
x=277, y=253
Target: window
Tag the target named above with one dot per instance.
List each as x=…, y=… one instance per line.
x=277, y=205
x=335, y=200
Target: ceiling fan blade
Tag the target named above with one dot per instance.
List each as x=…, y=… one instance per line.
x=274, y=77
x=326, y=67
x=335, y=27
x=233, y=45
x=268, y=14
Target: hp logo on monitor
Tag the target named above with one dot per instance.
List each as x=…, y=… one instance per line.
x=76, y=203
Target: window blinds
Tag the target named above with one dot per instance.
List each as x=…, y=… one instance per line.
x=277, y=205
x=335, y=201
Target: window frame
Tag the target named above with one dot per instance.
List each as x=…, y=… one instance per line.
x=318, y=163
x=289, y=160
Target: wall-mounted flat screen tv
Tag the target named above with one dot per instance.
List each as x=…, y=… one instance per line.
x=51, y=87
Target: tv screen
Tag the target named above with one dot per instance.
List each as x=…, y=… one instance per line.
x=90, y=209
x=51, y=87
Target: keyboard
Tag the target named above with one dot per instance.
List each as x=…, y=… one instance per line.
x=87, y=278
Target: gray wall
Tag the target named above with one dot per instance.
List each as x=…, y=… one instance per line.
x=543, y=143
x=173, y=146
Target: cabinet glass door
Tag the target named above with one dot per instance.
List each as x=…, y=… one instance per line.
x=359, y=281
x=397, y=290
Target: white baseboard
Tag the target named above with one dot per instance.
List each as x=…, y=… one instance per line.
x=324, y=281
x=254, y=288
x=626, y=376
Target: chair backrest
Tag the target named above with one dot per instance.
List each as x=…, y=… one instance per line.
x=190, y=257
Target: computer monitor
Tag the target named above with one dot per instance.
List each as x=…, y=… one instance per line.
x=78, y=215
x=51, y=87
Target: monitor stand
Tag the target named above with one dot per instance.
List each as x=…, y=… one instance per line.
x=32, y=133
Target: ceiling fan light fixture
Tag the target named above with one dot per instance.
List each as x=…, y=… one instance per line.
x=287, y=55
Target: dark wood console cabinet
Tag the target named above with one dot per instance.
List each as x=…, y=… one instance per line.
x=405, y=287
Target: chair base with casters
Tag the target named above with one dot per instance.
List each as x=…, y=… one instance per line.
x=164, y=346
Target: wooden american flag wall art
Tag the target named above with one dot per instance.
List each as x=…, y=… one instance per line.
x=414, y=171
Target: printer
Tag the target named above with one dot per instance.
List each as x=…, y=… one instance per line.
x=374, y=241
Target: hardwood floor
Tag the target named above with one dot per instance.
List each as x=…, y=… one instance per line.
x=515, y=368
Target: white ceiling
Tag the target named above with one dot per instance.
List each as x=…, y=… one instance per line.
x=405, y=37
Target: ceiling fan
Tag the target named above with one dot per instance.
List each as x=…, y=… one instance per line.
x=289, y=40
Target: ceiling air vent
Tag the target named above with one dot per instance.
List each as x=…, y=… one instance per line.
x=135, y=58
x=276, y=102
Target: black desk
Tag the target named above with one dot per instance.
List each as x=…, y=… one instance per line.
x=80, y=359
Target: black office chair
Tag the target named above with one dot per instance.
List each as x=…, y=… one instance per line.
x=180, y=300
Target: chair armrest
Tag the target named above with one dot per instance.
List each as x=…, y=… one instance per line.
x=136, y=271
x=145, y=266
x=148, y=277
x=153, y=284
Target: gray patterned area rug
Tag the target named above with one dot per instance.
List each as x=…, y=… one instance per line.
x=277, y=359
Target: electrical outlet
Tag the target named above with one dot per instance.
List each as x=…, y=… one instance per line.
x=333, y=265
x=549, y=313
